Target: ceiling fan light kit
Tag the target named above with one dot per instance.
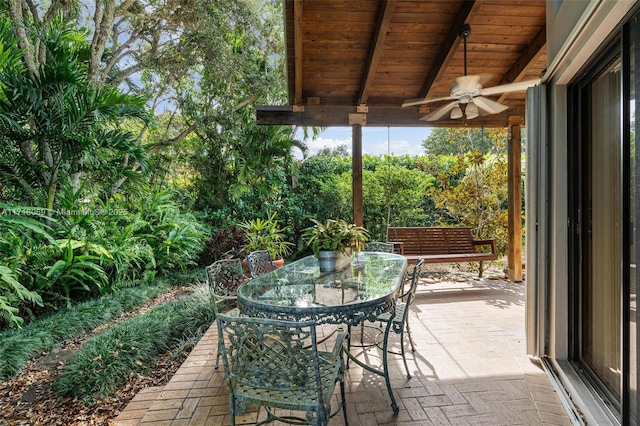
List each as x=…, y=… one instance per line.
x=471, y=110
x=456, y=112
x=468, y=91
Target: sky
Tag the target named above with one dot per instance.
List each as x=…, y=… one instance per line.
x=402, y=140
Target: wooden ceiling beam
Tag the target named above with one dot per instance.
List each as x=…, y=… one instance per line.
x=382, y=27
x=448, y=49
x=529, y=56
x=297, y=37
x=394, y=116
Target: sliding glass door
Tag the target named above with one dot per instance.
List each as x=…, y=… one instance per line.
x=630, y=126
x=601, y=231
x=604, y=317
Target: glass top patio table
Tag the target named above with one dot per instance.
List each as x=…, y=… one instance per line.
x=298, y=291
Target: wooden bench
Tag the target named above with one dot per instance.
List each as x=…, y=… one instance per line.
x=440, y=245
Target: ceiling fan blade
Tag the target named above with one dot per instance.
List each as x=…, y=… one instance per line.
x=509, y=88
x=492, y=107
x=422, y=101
x=467, y=82
x=440, y=112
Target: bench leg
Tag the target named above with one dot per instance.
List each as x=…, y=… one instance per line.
x=481, y=270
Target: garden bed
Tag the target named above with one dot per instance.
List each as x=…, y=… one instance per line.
x=30, y=398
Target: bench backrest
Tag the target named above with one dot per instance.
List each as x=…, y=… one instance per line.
x=426, y=241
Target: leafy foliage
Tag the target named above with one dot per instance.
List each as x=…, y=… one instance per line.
x=57, y=123
x=474, y=192
x=17, y=230
x=225, y=242
x=335, y=234
x=266, y=234
x=77, y=270
x=447, y=141
x=177, y=238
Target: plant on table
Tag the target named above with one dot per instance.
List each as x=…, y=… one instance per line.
x=335, y=235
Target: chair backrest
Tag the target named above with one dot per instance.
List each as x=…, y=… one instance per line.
x=410, y=293
x=225, y=276
x=259, y=263
x=379, y=246
x=270, y=354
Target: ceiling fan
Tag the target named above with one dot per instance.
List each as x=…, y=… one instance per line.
x=468, y=92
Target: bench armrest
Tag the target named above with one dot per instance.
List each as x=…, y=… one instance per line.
x=398, y=246
x=492, y=243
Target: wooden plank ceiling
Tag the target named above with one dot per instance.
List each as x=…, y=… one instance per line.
x=342, y=54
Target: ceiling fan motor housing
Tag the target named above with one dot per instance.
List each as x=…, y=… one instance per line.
x=464, y=95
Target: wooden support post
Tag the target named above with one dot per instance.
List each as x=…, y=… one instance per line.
x=356, y=164
x=514, y=256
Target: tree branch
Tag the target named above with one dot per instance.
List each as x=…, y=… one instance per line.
x=123, y=74
x=124, y=7
x=118, y=54
x=34, y=11
x=169, y=142
x=53, y=10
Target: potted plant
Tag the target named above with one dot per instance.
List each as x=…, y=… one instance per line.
x=266, y=234
x=333, y=240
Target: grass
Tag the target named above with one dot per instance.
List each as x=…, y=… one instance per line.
x=105, y=361
x=19, y=346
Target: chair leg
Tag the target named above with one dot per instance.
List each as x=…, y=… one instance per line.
x=413, y=349
x=232, y=411
x=218, y=356
x=348, y=344
x=385, y=366
x=344, y=403
x=404, y=358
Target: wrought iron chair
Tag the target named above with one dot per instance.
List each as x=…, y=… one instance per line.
x=400, y=319
x=259, y=263
x=224, y=277
x=266, y=363
x=396, y=322
x=379, y=246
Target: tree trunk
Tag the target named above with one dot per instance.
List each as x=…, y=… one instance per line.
x=28, y=51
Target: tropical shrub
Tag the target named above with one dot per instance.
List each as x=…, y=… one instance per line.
x=78, y=269
x=266, y=234
x=177, y=238
x=60, y=126
x=225, y=242
x=21, y=230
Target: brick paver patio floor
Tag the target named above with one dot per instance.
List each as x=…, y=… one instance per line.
x=469, y=368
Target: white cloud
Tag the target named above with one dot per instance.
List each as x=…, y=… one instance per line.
x=395, y=147
x=314, y=146
x=374, y=141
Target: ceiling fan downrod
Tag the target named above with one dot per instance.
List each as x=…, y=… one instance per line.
x=465, y=32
